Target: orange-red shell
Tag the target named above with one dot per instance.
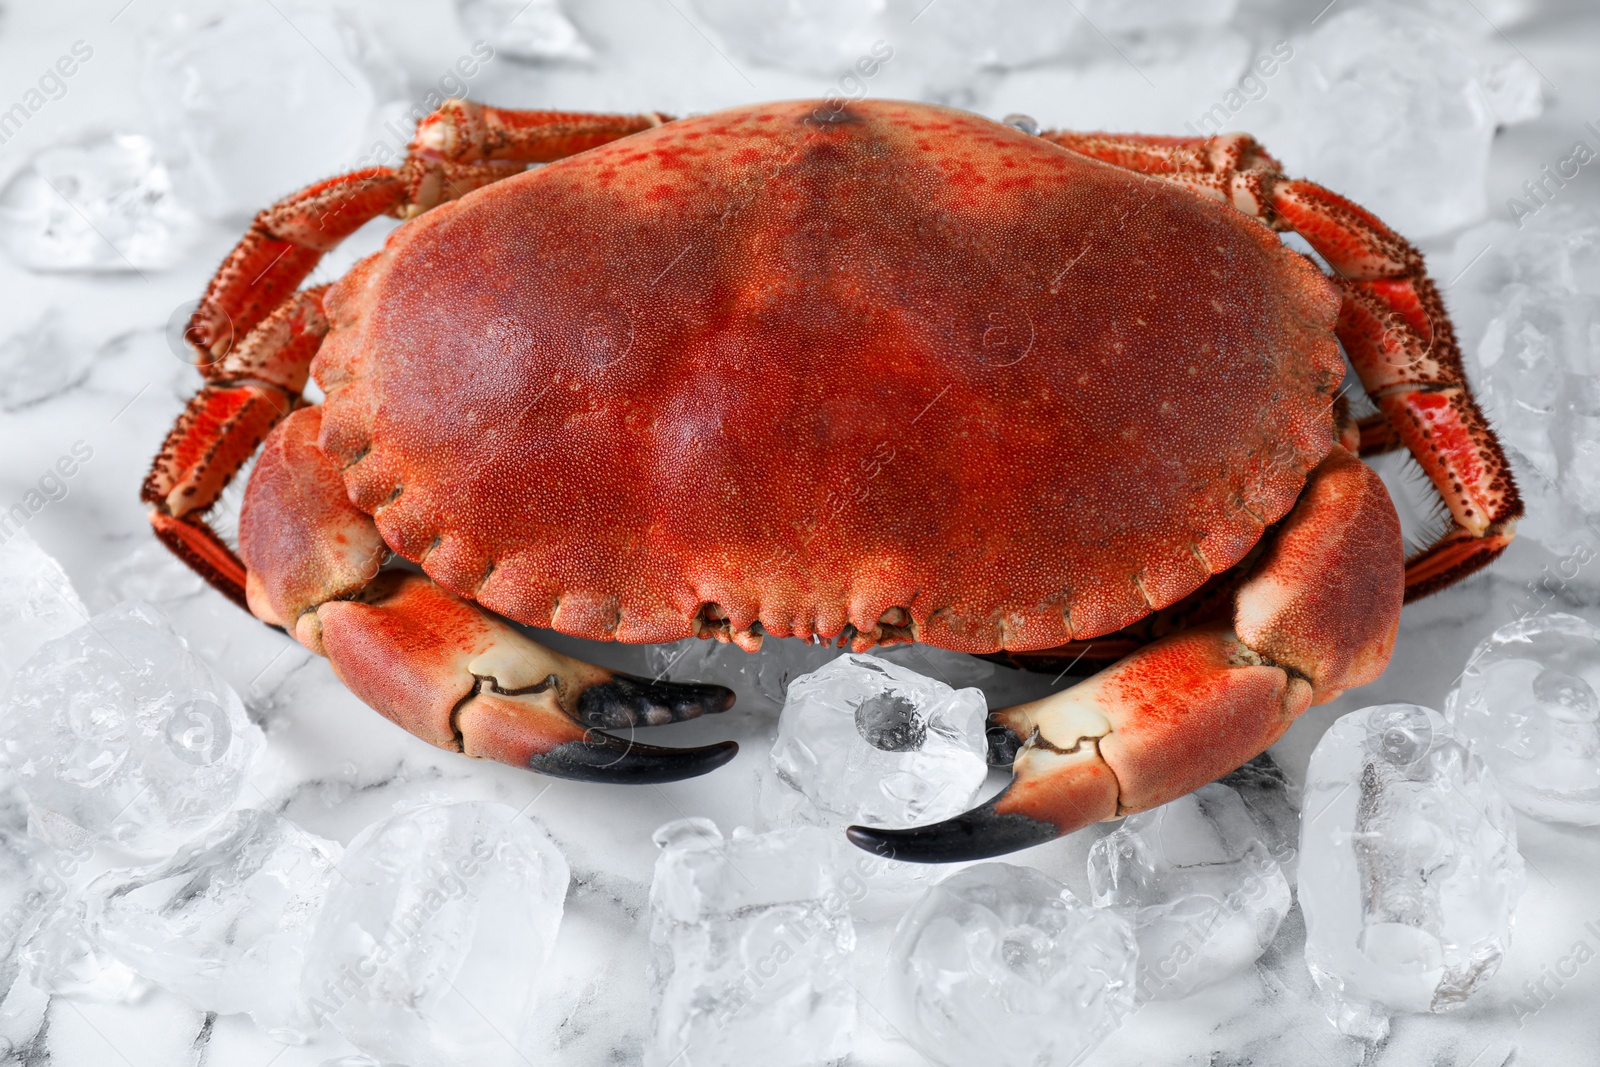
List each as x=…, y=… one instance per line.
x=812, y=366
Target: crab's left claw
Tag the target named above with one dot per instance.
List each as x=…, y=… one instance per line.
x=433, y=663
x=452, y=674
x=1317, y=615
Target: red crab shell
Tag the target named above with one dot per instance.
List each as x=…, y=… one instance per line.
x=813, y=367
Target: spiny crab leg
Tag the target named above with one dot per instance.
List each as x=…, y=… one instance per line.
x=435, y=664
x=1317, y=615
x=1392, y=324
x=254, y=336
x=461, y=147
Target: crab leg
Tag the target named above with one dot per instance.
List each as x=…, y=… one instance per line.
x=457, y=149
x=248, y=390
x=1399, y=338
x=464, y=132
x=1317, y=615
x=254, y=336
x=1392, y=324
x=434, y=664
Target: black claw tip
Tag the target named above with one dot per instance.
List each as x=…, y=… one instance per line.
x=628, y=701
x=605, y=758
x=1003, y=743
x=974, y=835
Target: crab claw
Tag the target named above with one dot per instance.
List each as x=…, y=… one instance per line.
x=1173, y=716
x=461, y=679
x=1316, y=617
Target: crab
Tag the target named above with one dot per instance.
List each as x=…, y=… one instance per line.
x=866, y=373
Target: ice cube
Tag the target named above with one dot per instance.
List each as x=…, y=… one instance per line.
x=40, y=362
x=1002, y=965
x=1139, y=16
x=955, y=669
x=1533, y=398
x=1205, y=892
x=959, y=39
x=750, y=938
x=1394, y=109
x=1527, y=306
x=224, y=922
x=1511, y=84
x=1539, y=246
x=819, y=36
x=531, y=30
x=19, y=903
x=1274, y=803
x=1409, y=867
x=63, y=957
x=37, y=601
x=1527, y=703
x=760, y=678
x=102, y=203
x=150, y=573
x=1514, y=89
x=1482, y=18
x=120, y=729
x=43, y=865
x=262, y=99
x=435, y=929
x=867, y=741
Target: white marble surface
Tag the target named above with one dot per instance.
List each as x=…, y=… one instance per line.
x=334, y=766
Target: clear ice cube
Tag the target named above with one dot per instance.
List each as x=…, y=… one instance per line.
x=150, y=572
x=1274, y=803
x=1204, y=891
x=21, y=901
x=958, y=670
x=762, y=678
x=533, y=30
x=63, y=957
x=1394, y=109
x=260, y=100
x=36, y=880
x=1527, y=703
x=40, y=362
x=433, y=935
x=1528, y=310
x=1409, y=869
x=750, y=941
x=103, y=203
x=820, y=36
x=224, y=923
x=1002, y=965
x=120, y=729
x=37, y=601
x=864, y=740
x=1138, y=16
x=958, y=40
x=1514, y=89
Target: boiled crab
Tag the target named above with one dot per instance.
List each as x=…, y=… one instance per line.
x=867, y=373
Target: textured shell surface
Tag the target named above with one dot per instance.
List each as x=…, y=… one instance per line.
x=811, y=365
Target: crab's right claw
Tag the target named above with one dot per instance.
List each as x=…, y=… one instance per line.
x=445, y=670
x=1173, y=716
x=1317, y=616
